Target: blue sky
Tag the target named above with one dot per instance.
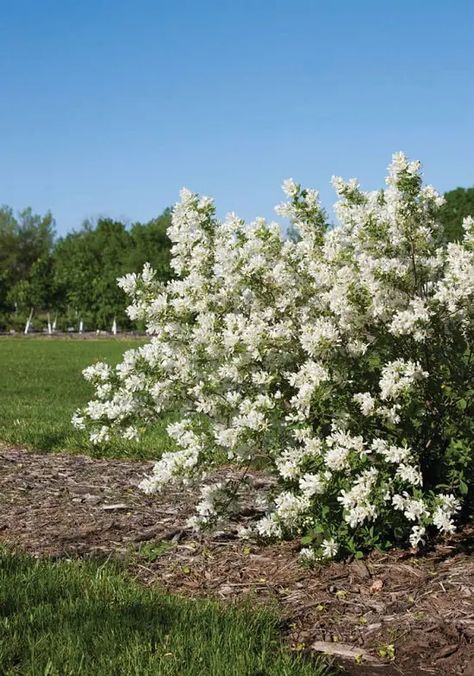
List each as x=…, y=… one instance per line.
x=110, y=107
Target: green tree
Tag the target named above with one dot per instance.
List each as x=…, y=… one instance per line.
x=26, y=243
x=36, y=290
x=88, y=262
x=77, y=275
x=151, y=244
x=459, y=204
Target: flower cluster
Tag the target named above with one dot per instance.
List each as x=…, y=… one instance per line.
x=340, y=359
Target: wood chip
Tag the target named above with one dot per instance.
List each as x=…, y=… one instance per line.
x=360, y=569
x=343, y=650
x=120, y=505
x=428, y=596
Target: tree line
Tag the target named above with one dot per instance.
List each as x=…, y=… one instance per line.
x=71, y=282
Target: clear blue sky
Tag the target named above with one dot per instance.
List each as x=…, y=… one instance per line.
x=110, y=107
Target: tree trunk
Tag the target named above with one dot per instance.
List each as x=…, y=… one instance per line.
x=28, y=322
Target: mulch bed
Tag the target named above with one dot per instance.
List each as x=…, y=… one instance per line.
x=420, y=608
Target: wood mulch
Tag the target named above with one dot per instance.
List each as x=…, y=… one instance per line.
x=396, y=613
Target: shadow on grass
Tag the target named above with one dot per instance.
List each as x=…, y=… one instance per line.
x=73, y=617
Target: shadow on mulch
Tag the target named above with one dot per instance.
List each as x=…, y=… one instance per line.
x=393, y=613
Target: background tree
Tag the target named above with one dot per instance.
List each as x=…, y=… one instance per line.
x=86, y=266
x=75, y=277
x=88, y=262
x=150, y=244
x=459, y=204
x=25, y=239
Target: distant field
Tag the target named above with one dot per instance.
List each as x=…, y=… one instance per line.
x=42, y=385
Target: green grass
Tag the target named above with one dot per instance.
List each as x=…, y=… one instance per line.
x=42, y=386
x=72, y=618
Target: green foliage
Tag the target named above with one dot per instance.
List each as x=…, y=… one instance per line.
x=88, y=262
x=26, y=243
x=81, y=618
x=152, y=551
x=343, y=361
x=150, y=243
x=74, y=278
x=459, y=204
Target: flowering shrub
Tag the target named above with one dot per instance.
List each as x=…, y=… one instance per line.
x=341, y=360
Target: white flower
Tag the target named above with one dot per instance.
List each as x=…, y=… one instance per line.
x=443, y=521
x=417, y=535
x=356, y=501
x=413, y=508
x=329, y=548
x=268, y=526
x=398, y=377
x=442, y=516
x=318, y=335
x=131, y=433
x=336, y=458
x=315, y=357
x=206, y=509
x=128, y=283
x=456, y=288
x=412, y=321
x=289, y=187
x=289, y=508
x=341, y=444
x=78, y=421
x=366, y=402
x=99, y=371
x=288, y=464
x=391, y=453
x=307, y=554
x=410, y=474
x=311, y=484
x=100, y=435
x=244, y=533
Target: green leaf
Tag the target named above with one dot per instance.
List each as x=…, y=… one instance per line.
x=306, y=539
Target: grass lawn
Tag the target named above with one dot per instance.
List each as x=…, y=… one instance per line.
x=42, y=385
x=71, y=618
x=66, y=618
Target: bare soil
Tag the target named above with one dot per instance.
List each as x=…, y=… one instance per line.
x=396, y=613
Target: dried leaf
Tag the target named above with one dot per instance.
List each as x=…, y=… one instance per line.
x=376, y=586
